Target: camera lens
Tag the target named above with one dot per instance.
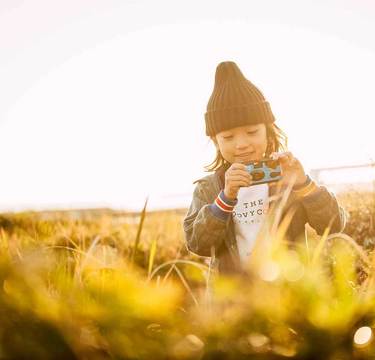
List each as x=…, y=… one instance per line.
x=272, y=164
x=257, y=175
x=275, y=174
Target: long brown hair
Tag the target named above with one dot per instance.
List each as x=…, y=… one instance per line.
x=276, y=141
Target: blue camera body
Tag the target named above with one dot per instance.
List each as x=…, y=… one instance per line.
x=264, y=171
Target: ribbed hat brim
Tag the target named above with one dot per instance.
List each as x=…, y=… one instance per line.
x=225, y=119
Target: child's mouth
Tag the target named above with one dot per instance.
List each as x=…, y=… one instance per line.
x=245, y=157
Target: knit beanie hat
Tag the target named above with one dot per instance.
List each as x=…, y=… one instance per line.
x=235, y=101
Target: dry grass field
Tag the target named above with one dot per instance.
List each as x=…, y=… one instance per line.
x=103, y=284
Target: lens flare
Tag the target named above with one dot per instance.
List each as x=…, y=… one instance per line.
x=362, y=336
x=269, y=271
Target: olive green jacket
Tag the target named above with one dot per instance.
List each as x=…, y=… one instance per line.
x=205, y=233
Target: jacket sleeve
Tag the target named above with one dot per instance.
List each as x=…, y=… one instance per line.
x=203, y=230
x=323, y=209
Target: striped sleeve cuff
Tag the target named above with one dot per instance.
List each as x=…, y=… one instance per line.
x=309, y=187
x=222, y=207
x=308, y=181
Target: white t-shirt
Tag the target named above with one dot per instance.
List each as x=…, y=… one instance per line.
x=248, y=216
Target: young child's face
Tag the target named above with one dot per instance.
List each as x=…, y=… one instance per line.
x=243, y=143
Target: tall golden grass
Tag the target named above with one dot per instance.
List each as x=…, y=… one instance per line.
x=111, y=285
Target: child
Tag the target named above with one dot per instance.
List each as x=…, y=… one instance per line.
x=226, y=211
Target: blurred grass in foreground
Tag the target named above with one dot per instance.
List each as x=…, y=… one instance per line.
x=105, y=287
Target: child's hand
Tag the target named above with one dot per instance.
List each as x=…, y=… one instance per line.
x=235, y=177
x=291, y=169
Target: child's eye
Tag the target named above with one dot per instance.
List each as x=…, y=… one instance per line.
x=249, y=132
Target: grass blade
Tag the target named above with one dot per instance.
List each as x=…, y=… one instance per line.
x=138, y=237
x=152, y=255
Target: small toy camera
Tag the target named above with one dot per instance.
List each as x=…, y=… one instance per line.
x=264, y=171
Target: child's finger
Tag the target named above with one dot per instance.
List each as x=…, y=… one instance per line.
x=238, y=177
x=278, y=155
x=241, y=171
x=286, y=158
x=290, y=156
x=274, y=156
x=238, y=166
x=239, y=183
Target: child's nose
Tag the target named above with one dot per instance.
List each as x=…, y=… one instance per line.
x=243, y=144
x=242, y=141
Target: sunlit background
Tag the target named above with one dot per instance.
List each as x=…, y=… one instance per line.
x=102, y=102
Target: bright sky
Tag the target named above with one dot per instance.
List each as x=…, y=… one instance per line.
x=102, y=102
